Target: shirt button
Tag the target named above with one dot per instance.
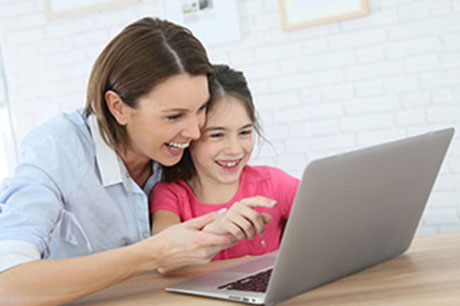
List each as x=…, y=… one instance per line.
x=146, y=235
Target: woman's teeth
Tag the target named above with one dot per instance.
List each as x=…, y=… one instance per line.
x=177, y=146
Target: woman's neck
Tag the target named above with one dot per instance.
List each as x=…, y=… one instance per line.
x=212, y=192
x=140, y=169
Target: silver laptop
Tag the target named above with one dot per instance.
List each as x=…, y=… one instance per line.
x=352, y=211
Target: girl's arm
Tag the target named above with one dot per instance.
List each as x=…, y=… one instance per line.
x=162, y=219
x=241, y=220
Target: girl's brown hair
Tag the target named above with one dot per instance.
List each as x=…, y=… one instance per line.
x=228, y=82
x=141, y=56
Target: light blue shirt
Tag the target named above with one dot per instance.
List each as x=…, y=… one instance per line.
x=71, y=195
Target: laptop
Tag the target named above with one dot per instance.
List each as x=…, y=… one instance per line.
x=351, y=211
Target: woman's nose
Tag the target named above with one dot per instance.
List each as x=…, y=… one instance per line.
x=192, y=130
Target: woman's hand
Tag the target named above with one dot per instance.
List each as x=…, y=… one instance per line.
x=186, y=244
x=241, y=220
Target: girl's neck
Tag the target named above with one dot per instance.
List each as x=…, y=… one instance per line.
x=212, y=192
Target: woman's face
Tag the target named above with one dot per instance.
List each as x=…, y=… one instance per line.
x=225, y=144
x=167, y=119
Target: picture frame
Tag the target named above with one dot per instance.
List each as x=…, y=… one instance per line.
x=295, y=14
x=59, y=8
x=202, y=15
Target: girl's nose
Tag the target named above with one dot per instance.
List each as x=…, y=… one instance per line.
x=234, y=146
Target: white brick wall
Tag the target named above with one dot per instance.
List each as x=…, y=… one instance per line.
x=319, y=90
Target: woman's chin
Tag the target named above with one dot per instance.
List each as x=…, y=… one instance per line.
x=168, y=161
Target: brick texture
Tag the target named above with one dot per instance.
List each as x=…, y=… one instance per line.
x=318, y=90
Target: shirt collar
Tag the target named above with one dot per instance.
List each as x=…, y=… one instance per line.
x=110, y=166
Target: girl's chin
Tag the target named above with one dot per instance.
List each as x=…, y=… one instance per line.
x=230, y=177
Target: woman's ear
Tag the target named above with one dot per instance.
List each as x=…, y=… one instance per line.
x=117, y=108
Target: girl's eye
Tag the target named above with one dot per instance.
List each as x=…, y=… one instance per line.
x=246, y=132
x=174, y=117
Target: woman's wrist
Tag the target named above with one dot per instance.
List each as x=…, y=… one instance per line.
x=144, y=256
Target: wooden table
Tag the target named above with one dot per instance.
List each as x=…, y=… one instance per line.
x=428, y=274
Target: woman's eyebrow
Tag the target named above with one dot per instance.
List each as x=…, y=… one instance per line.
x=214, y=128
x=182, y=109
x=175, y=110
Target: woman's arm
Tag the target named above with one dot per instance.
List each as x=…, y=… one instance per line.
x=58, y=281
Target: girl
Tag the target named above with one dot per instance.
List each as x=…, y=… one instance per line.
x=214, y=176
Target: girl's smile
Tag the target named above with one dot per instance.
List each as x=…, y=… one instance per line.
x=225, y=146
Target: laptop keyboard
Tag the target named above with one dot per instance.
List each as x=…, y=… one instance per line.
x=256, y=282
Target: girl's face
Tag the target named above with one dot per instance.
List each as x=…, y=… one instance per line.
x=167, y=119
x=226, y=143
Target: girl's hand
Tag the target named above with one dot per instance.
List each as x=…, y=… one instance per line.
x=186, y=244
x=241, y=220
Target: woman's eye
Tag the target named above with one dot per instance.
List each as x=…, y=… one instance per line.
x=216, y=135
x=174, y=117
x=203, y=107
x=247, y=132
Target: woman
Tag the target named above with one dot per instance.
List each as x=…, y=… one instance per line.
x=79, y=196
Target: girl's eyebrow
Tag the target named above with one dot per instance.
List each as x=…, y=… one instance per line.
x=221, y=128
x=246, y=126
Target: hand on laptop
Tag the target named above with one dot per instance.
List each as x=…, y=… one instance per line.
x=241, y=220
x=187, y=244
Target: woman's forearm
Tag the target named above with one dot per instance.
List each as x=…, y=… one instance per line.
x=58, y=281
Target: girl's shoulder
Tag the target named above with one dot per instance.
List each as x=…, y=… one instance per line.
x=178, y=190
x=176, y=187
x=265, y=173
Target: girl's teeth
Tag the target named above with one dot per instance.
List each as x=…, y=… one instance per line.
x=230, y=164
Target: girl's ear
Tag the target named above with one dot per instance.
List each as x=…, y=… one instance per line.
x=117, y=107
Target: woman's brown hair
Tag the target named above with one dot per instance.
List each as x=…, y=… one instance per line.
x=227, y=82
x=141, y=56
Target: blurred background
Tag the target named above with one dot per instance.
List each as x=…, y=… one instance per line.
x=319, y=90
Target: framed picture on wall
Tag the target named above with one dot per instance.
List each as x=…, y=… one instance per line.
x=58, y=8
x=295, y=14
x=212, y=21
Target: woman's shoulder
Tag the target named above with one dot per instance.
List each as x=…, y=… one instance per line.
x=63, y=141
x=65, y=127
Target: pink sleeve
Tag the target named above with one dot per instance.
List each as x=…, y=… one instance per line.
x=287, y=186
x=164, y=197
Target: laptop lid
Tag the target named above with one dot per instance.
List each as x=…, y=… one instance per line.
x=355, y=210
x=352, y=210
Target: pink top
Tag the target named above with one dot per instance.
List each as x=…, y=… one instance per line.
x=265, y=181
